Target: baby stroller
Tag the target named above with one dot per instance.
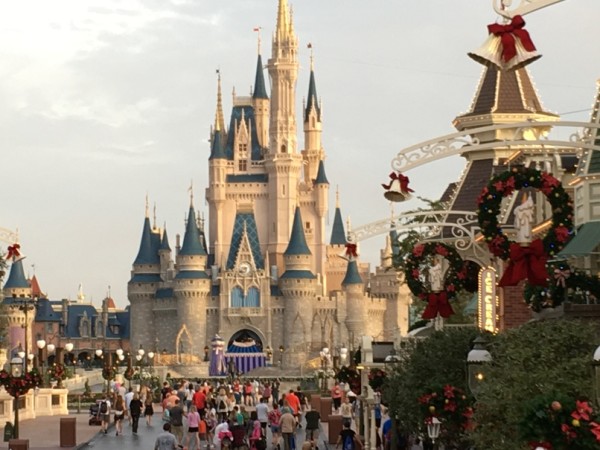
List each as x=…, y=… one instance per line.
x=95, y=418
x=238, y=440
x=226, y=439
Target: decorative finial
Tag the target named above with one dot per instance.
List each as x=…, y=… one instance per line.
x=154, y=214
x=108, y=294
x=312, y=56
x=147, y=206
x=219, y=118
x=257, y=30
x=191, y=191
x=337, y=196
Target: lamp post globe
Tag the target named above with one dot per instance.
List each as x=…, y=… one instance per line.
x=477, y=360
x=69, y=347
x=51, y=348
x=99, y=353
x=41, y=344
x=433, y=429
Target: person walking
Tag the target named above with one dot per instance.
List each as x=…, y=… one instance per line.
x=346, y=410
x=348, y=439
x=287, y=423
x=193, y=420
x=104, y=413
x=313, y=422
x=148, y=409
x=165, y=440
x=135, y=410
x=262, y=413
x=128, y=397
x=119, y=415
x=274, y=417
x=176, y=415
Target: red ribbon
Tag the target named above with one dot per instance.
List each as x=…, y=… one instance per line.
x=402, y=179
x=438, y=304
x=13, y=251
x=508, y=33
x=351, y=250
x=526, y=263
x=560, y=276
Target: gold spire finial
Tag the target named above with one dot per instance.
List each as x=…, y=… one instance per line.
x=154, y=212
x=257, y=30
x=191, y=191
x=312, y=56
x=219, y=118
x=283, y=18
x=147, y=206
x=337, y=196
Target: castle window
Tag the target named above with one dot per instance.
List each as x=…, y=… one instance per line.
x=243, y=165
x=283, y=148
x=99, y=328
x=114, y=329
x=243, y=148
x=308, y=225
x=237, y=297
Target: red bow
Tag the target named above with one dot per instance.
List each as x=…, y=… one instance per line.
x=351, y=250
x=13, y=251
x=438, y=304
x=508, y=33
x=402, y=179
x=526, y=263
x=560, y=276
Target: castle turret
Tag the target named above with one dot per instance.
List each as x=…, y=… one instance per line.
x=145, y=279
x=17, y=285
x=298, y=285
x=260, y=102
x=356, y=308
x=164, y=253
x=191, y=289
x=313, y=152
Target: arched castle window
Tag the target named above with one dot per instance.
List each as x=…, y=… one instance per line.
x=99, y=328
x=84, y=326
x=237, y=297
x=253, y=298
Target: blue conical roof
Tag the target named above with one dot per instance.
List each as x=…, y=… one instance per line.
x=297, y=245
x=312, y=100
x=147, y=253
x=259, y=82
x=16, y=278
x=217, y=148
x=321, y=177
x=164, y=245
x=191, y=240
x=338, y=235
x=352, y=275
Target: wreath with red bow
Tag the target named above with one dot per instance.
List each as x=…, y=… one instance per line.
x=416, y=273
x=18, y=386
x=452, y=406
x=504, y=185
x=57, y=372
x=128, y=374
x=108, y=373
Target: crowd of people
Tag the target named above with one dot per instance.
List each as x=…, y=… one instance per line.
x=242, y=414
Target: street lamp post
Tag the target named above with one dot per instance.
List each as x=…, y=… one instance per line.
x=16, y=370
x=477, y=360
x=433, y=429
x=281, y=351
x=324, y=353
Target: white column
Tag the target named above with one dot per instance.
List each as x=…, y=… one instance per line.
x=373, y=428
x=367, y=425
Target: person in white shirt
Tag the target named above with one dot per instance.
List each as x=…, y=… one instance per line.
x=128, y=397
x=262, y=414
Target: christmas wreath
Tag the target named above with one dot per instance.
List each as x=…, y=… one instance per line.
x=451, y=406
x=559, y=422
x=57, y=372
x=503, y=185
x=417, y=266
x=350, y=376
x=128, y=374
x=108, y=373
x=377, y=379
x=18, y=386
x=566, y=284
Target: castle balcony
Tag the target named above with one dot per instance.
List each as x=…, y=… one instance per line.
x=238, y=312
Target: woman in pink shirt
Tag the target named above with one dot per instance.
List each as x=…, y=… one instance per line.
x=193, y=420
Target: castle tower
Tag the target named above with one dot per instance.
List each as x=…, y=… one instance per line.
x=145, y=279
x=356, y=308
x=321, y=193
x=313, y=152
x=191, y=289
x=16, y=287
x=164, y=253
x=282, y=163
x=336, y=265
x=299, y=286
x=260, y=102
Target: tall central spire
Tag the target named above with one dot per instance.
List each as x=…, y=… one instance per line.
x=283, y=19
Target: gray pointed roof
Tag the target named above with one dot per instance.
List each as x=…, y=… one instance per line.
x=312, y=100
x=259, y=81
x=352, y=275
x=191, y=240
x=338, y=235
x=16, y=278
x=217, y=147
x=164, y=245
x=321, y=177
x=245, y=221
x=297, y=245
x=147, y=253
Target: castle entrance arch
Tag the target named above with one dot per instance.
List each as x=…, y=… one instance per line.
x=244, y=352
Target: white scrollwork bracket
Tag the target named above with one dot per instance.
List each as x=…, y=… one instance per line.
x=505, y=9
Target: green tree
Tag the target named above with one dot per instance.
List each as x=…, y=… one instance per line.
x=427, y=365
x=551, y=356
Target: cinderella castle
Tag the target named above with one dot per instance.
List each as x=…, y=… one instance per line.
x=268, y=269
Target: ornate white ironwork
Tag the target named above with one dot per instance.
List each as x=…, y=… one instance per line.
x=464, y=142
x=8, y=236
x=503, y=7
x=457, y=227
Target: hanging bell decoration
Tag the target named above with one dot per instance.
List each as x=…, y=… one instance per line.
x=397, y=189
x=508, y=46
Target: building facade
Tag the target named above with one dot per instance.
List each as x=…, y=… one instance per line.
x=266, y=266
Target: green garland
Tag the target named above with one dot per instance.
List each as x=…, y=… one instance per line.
x=566, y=284
x=108, y=373
x=422, y=257
x=377, y=379
x=503, y=185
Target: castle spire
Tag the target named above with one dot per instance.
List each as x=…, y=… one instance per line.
x=312, y=102
x=283, y=19
x=191, y=239
x=297, y=244
x=260, y=90
x=219, y=117
x=146, y=254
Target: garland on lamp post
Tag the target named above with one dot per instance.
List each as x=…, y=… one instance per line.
x=109, y=372
x=377, y=378
x=57, y=373
x=19, y=386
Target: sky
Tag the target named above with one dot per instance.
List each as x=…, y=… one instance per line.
x=103, y=102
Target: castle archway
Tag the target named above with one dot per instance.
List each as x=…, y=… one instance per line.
x=246, y=335
x=244, y=352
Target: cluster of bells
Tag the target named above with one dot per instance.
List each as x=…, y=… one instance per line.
x=507, y=47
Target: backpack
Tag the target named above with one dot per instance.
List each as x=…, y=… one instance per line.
x=166, y=416
x=103, y=407
x=348, y=443
x=222, y=406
